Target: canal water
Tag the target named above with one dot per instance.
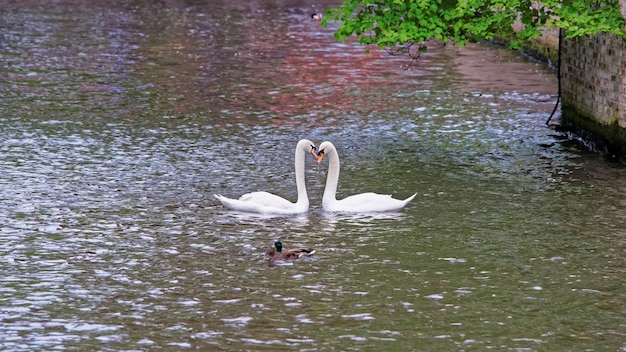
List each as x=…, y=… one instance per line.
x=120, y=120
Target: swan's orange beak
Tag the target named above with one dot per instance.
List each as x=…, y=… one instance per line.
x=314, y=152
x=319, y=156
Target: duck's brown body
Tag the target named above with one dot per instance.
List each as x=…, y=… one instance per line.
x=276, y=252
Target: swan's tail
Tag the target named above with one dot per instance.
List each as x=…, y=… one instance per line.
x=221, y=198
x=410, y=198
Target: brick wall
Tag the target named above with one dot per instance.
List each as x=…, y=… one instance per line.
x=593, y=87
x=593, y=78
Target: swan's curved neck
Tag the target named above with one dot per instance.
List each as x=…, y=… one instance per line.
x=303, y=197
x=333, y=176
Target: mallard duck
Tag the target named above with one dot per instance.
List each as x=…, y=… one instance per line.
x=276, y=252
x=316, y=16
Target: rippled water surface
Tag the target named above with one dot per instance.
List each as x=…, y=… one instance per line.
x=119, y=122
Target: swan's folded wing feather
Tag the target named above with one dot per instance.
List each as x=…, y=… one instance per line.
x=360, y=199
x=263, y=203
x=368, y=202
x=266, y=199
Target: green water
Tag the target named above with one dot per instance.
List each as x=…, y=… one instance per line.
x=120, y=121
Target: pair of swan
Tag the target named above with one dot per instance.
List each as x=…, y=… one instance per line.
x=268, y=203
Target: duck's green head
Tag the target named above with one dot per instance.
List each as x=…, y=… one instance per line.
x=279, y=246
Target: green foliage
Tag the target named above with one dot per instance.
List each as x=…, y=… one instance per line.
x=392, y=23
x=581, y=18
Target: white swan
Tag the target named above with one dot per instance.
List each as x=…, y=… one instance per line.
x=268, y=203
x=364, y=202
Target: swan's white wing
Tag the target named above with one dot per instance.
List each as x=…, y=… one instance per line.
x=367, y=202
x=266, y=199
x=262, y=203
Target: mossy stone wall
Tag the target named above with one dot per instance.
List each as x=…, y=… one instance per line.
x=593, y=90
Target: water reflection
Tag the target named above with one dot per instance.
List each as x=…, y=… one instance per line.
x=120, y=122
